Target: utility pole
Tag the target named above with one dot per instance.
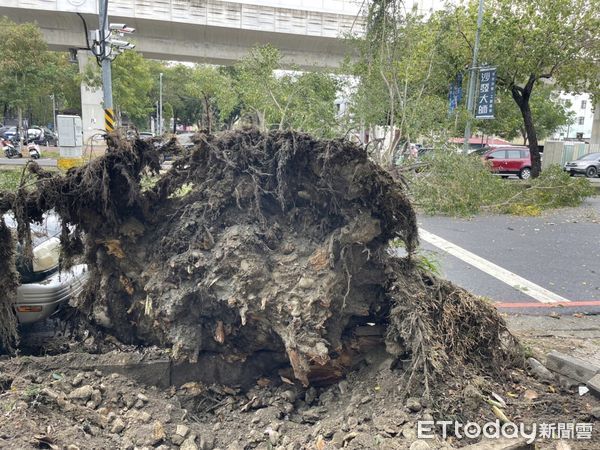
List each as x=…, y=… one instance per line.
x=473, y=79
x=106, y=48
x=54, y=112
x=109, y=113
x=160, y=104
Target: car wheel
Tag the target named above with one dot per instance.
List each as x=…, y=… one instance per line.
x=525, y=173
x=572, y=174
x=591, y=172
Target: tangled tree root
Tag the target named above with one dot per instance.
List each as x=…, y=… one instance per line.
x=260, y=242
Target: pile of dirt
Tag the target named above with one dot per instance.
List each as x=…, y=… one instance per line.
x=66, y=402
x=255, y=244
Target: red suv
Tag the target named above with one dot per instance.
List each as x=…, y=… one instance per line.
x=507, y=160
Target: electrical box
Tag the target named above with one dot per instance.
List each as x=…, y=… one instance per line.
x=70, y=140
x=70, y=131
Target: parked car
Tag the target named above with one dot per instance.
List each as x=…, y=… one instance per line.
x=43, y=287
x=588, y=164
x=507, y=160
x=42, y=136
x=10, y=133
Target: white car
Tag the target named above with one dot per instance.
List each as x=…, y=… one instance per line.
x=43, y=287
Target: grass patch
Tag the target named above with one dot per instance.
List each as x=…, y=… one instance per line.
x=458, y=185
x=10, y=179
x=51, y=154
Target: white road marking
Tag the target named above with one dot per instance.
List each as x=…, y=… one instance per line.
x=525, y=286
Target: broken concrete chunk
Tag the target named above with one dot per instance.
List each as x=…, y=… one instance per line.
x=420, y=445
x=117, y=426
x=82, y=393
x=569, y=366
x=189, y=443
x=182, y=430
x=413, y=404
x=594, y=384
x=539, y=370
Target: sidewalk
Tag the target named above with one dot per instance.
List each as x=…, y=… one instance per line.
x=575, y=336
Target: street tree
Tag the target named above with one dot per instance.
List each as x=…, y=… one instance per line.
x=23, y=58
x=216, y=92
x=272, y=97
x=61, y=81
x=177, y=92
x=402, y=85
x=548, y=114
x=532, y=42
x=132, y=83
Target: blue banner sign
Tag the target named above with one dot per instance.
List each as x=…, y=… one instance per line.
x=484, y=109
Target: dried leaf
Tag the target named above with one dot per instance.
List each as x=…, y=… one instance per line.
x=500, y=414
x=113, y=247
x=530, y=395
x=286, y=380
x=320, y=444
x=499, y=399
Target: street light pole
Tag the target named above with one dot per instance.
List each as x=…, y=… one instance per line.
x=160, y=104
x=472, y=79
x=109, y=114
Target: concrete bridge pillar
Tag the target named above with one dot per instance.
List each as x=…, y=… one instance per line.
x=92, y=113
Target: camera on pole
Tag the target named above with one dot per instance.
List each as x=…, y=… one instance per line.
x=106, y=48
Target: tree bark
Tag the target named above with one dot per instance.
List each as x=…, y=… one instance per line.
x=522, y=95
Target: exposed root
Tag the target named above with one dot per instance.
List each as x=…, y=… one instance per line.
x=259, y=242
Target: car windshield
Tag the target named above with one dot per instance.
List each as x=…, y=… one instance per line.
x=40, y=232
x=590, y=157
x=480, y=151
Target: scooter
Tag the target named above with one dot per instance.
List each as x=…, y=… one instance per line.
x=34, y=150
x=10, y=150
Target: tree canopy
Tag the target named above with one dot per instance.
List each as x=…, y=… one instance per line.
x=30, y=73
x=532, y=42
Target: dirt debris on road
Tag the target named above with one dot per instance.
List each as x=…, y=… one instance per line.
x=265, y=249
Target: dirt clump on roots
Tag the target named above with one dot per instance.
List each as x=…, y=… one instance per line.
x=272, y=248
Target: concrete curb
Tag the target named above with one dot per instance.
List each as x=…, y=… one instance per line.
x=571, y=367
x=163, y=372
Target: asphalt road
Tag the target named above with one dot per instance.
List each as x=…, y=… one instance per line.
x=43, y=162
x=558, y=252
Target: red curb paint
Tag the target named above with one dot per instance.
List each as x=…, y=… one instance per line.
x=548, y=305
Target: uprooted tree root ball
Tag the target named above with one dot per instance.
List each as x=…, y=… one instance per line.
x=260, y=244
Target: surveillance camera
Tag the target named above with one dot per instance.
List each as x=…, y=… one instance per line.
x=118, y=43
x=117, y=26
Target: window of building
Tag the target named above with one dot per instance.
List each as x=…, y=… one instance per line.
x=581, y=120
x=583, y=104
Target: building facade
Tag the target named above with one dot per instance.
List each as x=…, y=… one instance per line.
x=583, y=112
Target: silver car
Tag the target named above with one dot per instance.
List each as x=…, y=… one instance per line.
x=589, y=165
x=43, y=287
